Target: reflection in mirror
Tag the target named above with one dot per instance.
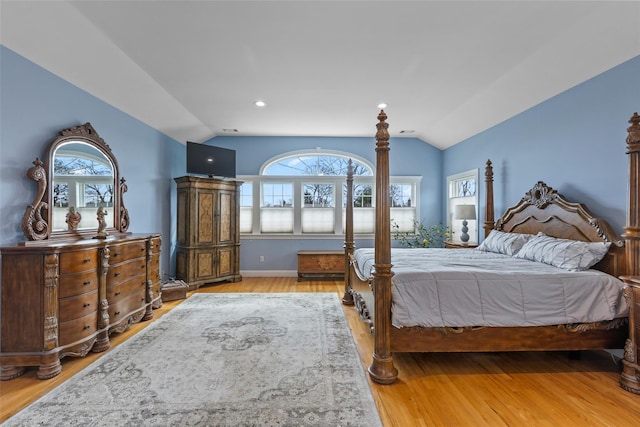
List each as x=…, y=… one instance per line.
x=83, y=181
x=80, y=191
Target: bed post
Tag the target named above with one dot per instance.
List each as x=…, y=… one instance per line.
x=382, y=370
x=630, y=378
x=489, y=222
x=347, y=299
x=632, y=230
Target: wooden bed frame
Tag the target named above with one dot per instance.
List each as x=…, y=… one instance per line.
x=541, y=209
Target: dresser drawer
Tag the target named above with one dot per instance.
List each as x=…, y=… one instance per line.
x=77, y=306
x=77, y=261
x=121, y=291
x=154, y=263
x=124, y=252
x=154, y=268
x=121, y=272
x=122, y=309
x=157, y=287
x=77, y=329
x=78, y=283
x=155, y=245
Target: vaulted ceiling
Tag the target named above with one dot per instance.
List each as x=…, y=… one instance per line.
x=447, y=69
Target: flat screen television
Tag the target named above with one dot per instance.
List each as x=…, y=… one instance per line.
x=212, y=161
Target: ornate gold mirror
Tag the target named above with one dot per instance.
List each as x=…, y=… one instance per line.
x=80, y=192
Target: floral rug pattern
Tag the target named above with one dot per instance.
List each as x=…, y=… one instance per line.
x=223, y=360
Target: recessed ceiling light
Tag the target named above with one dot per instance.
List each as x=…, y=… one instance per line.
x=260, y=104
x=382, y=105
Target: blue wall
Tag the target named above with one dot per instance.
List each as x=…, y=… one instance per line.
x=408, y=156
x=35, y=105
x=574, y=142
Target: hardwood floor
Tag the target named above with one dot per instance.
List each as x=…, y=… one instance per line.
x=460, y=389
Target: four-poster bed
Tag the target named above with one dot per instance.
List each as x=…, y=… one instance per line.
x=543, y=211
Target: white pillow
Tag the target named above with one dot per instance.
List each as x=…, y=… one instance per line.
x=571, y=255
x=504, y=243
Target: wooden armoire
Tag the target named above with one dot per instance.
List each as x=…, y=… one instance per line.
x=208, y=241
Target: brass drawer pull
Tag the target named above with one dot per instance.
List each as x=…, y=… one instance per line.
x=87, y=282
x=87, y=327
x=87, y=305
x=117, y=293
x=117, y=313
x=116, y=274
x=87, y=260
x=116, y=254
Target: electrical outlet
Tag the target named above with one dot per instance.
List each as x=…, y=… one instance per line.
x=261, y=258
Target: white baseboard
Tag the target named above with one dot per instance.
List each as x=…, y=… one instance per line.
x=269, y=273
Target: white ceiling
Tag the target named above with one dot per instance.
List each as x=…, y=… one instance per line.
x=447, y=69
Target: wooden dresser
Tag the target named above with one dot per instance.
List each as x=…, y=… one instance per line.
x=64, y=299
x=208, y=235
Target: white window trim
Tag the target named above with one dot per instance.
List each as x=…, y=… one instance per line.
x=472, y=173
x=297, y=181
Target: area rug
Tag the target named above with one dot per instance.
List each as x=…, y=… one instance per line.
x=223, y=360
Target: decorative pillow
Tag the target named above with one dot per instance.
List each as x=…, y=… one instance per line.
x=504, y=243
x=571, y=255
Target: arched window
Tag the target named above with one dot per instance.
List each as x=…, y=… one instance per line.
x=304, y=193
x=325, y=163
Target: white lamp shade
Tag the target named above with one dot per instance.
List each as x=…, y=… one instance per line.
x=465, y=212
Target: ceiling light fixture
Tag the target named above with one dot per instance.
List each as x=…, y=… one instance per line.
x=260, y=104
x=382, y=105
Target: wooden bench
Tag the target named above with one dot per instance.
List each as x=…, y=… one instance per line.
x=320, y=265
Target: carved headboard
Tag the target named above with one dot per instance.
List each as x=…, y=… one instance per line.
x=544, y=209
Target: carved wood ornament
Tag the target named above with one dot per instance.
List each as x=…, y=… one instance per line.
x=34, y=222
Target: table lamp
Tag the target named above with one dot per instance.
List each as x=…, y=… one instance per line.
x=465, y=212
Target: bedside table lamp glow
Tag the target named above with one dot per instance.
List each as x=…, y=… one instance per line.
x=464, y=212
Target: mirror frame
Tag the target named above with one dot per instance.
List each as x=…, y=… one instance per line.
x=38, y=218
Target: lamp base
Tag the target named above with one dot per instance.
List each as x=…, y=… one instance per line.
x=464, y=237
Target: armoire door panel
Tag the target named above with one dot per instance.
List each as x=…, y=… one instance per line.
x=226, y=217
x=205, y=219
x=226, y=261
x=205, y=265
x=183, y=218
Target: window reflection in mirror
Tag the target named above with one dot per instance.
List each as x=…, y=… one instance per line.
x=83, y=181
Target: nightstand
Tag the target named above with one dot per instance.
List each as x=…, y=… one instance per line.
x=451, y=245
x=630, y=378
